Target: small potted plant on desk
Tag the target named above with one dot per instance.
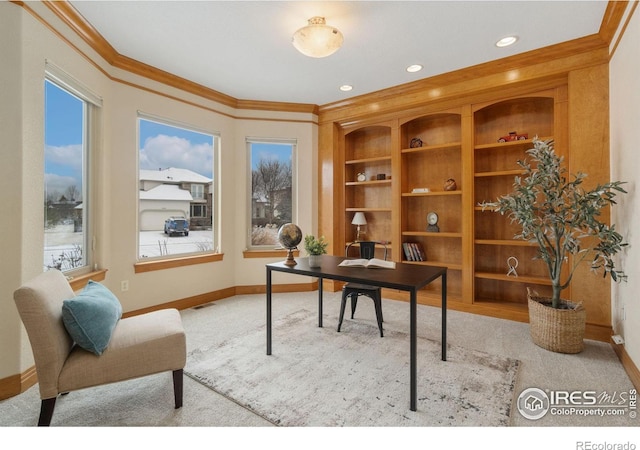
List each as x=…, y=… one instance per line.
x=561, y=218
x=315, y=249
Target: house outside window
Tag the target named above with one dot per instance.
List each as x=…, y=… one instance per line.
x=70, y=113
x=272, y=189
x=176, y=184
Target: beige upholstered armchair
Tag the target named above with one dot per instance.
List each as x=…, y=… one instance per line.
x=137, y=346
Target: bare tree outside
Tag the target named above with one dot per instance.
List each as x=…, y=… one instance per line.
x=271, y=191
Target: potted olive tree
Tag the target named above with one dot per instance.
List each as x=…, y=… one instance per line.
x=315, y=248
x=563, y=220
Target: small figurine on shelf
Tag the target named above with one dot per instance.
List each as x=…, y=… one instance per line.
x=450, y=185
x=512, y=264
x=415, y=143
x=513, y=136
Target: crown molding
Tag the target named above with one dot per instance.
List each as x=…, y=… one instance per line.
x=69, y=15
x=591, y=46
x=611, y=19
x=79, y=25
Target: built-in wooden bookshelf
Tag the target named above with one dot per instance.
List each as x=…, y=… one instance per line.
x=403, y=182
x=495, y=169
x=368, y=153
x=460, y=141
x=428, y=166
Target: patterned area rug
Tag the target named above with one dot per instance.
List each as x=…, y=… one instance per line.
x=319, y=377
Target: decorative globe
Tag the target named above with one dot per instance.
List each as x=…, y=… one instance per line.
x=289, y=235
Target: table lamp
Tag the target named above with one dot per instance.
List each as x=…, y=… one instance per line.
x=359, y=220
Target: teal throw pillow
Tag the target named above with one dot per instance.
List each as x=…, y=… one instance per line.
x=91, y=316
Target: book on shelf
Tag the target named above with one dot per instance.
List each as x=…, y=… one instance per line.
x=373, y=263
x=413, y=251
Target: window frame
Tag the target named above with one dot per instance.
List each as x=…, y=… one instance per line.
x=147, y=264
x=201, y=206
x=92, y=108
x=199, y=191
x=293, y=142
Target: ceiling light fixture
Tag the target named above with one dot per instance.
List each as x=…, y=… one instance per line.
x=317, y=39
x=414, y=68
x=346, y=87
x=507, y=41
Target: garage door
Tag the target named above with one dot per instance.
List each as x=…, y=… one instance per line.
x=153, y=220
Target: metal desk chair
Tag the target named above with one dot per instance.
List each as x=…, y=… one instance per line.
x=354, y=290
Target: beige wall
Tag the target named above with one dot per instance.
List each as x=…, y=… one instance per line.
x=10, y=184
x=625, y=165
x=25, y=45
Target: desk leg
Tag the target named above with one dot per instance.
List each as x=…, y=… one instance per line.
x=412, y=351
x=320, y=302
x=268, y=311
x=444, y=317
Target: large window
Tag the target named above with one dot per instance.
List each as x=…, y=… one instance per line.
x=177, y=192
x=67, y=120
x=272, y=191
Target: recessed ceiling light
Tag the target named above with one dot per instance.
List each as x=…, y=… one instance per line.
x=414, y=68
x=346, y=87
x=507, y=41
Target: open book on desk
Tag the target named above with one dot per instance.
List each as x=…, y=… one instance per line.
x=372, y=263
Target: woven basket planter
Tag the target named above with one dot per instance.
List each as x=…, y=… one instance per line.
x=558, y=330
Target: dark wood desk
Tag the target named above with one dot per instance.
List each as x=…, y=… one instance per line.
x=405, y=277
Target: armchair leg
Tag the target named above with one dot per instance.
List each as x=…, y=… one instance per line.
x=177, y=387
x=46, y=411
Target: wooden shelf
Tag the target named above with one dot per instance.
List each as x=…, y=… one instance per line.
x=442, y=234
x=368, y=209
x=431, y=193
x=369, y=183
x=509, y=144
x=505, y=242
x=431, y=148
x=499, y=173
x=513, y=279
x=451, y=266
x=369, y=160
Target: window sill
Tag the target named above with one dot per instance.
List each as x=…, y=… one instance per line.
x=80, y=281
x=268, y=253
x=150, y=266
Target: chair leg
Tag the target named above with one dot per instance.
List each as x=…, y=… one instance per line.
x=343, y=303
x=46, y=411
x=354, y=303
x=178, y=381
x=377, y=301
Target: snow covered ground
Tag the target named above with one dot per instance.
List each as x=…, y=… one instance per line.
x=61, y=240
x=156, y=243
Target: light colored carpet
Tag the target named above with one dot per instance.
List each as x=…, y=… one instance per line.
x=148, y=401
x=319, y=377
